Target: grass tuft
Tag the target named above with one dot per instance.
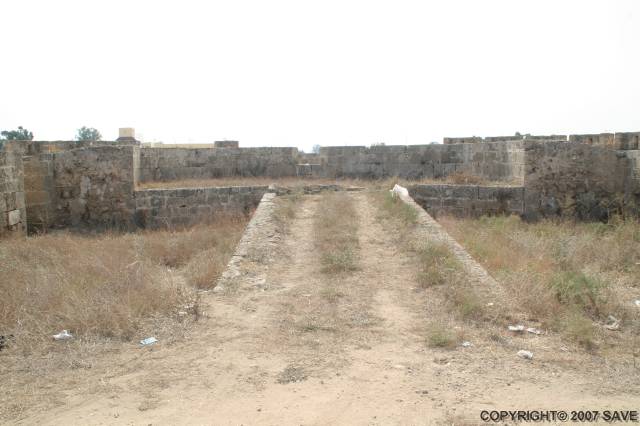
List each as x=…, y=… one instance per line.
x=399, y=209
x=438, y=266
x=336, y=233
x=578, y=290
x=439, y=336
x=579, y=329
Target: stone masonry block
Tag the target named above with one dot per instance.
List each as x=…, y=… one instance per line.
x=14, y=217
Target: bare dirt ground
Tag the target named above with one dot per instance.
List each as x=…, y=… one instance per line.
x=315, y=349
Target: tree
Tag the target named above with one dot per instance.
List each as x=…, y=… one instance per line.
x=88, y=134
x=21, y=134
x=316, y=149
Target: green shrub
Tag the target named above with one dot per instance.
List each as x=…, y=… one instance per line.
x=579, y=290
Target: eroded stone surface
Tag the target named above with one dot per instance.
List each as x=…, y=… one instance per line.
x=255, y=249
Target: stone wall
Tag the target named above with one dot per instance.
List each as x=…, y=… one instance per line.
x=158, y=208
x=163, y=164
x=13, y=214
x=470, y=139
x=575, y=180
x=226, y=144
x=40, y=191
x=94, y=187
x=50, y=147
x=492, y=161
x=618, y=141
x=468, y=200
x=92, y=184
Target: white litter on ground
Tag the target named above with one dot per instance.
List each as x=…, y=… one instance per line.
x=63, y=335
x=525, y=354
x=148, y=341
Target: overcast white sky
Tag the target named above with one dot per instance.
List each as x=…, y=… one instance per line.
x=299, y=73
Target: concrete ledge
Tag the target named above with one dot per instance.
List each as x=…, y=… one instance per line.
x=255, y=248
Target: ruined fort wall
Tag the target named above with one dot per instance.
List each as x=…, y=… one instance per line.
x=574, y=180
x=492, y=161
x=94, y=187
x=39, y=188
x=468, y=200
x=159, y=208
x=165, y=164
x=13, y=214
x=617, y=141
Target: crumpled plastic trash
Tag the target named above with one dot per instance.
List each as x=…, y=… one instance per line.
x=467, y=344
x=148, y=341
x=525, y=354
x=63, y=335
x=516, y=328
x=533, y=331
x=400, y=190
x=614, y=323
x=637, y=302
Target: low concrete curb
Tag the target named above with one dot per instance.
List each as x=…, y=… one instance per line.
x=255, y=248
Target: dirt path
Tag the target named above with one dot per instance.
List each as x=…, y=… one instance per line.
x=310, y=349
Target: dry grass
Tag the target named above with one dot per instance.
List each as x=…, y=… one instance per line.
x=298, y=182
x=111, y=286
x=439, y=335
x=336, y=232
x=239, y=181
x=435, y=263
x=462, y=178
x=286, y=210
x=395, y=207
x=569, y=276
x=438, y=266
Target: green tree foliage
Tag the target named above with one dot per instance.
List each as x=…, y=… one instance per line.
x=21, y=134
x=88, y=134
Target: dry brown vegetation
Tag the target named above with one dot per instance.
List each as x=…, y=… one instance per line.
x=109, y=286
x=336, y=232
x=384, y=183
x=568, y=276
x=438, y=270
x=329, y=305
x=286, y=208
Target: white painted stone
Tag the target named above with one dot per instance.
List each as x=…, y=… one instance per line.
x=13, y=217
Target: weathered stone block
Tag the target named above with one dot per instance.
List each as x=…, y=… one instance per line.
x=14, y=217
